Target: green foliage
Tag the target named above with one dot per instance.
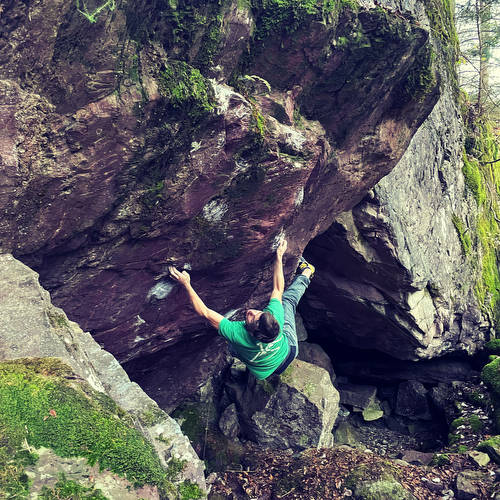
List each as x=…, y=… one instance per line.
x=464, y=237
x=186, y=89
x=39, y=405
x=473, y=422
x=92, y=16
x=457, y=423
x=66, y=489
x=190, y=491
x=440, y=459
x=493, y=346
x=191, y=419
x=152, y=416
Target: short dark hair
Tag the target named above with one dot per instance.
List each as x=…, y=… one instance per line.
x=266, y=329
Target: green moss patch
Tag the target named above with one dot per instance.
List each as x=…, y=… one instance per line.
x=66, y=489
x=473, y=178
x=464, y=237
x=40, y=405
x=14, y=483
x=493, y=346
x=491, y=377
x=492, y=447
x=482, y=178
x=286, y=16
x=186, y=89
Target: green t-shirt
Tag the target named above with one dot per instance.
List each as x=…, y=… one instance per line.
x=261, y=359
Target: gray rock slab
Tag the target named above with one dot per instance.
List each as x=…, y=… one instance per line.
x=361, y=396
x=30, y=326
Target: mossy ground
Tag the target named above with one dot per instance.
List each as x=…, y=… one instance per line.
x=39, y=406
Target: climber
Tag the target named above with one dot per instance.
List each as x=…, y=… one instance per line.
x=267, y=340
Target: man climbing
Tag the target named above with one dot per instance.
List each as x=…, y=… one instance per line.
x=267, y=340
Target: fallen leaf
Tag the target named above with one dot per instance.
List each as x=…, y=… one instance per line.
x=53, y=413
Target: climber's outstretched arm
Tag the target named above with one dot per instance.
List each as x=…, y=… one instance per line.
x=214, y=318
x=278, y=277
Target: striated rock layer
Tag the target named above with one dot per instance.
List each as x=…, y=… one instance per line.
x=119, y=157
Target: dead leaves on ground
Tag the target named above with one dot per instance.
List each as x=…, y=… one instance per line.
x=321, y=474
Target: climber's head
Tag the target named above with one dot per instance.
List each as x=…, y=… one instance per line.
x=262, y=325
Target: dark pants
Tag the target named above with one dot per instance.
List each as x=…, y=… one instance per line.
x=290, y=300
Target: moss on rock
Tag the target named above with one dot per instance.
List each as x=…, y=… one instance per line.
x=186, y=89
x=376, y=483
x=40, y=405
x=491, y=377
x=493, y=346
x=492, y=447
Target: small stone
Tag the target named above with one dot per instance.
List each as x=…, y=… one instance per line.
x=211, y=478
x=480, y=458
x=368, y=450
x=436, y=480
x=347, y=492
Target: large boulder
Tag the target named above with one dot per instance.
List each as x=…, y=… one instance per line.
x=33, y=330
x=316, y=355
x=412, y=401
x=357, y=395
x=295, y=410
x=121, y=157
x=377, y=484
x=392, y=274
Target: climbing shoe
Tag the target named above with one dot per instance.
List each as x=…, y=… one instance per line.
x=303, y=265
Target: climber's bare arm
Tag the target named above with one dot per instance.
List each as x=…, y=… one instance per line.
x=278, y=277
x=214, y=318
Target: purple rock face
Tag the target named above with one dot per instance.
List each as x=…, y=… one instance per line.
x=112, y=171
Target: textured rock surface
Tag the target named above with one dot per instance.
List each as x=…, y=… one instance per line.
x=316, y=355
x=295, y=410
x=412, y=400
x=111, y=172
x=392, y=275
x=30, y=326
x=361, y=396
x=49, y=467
